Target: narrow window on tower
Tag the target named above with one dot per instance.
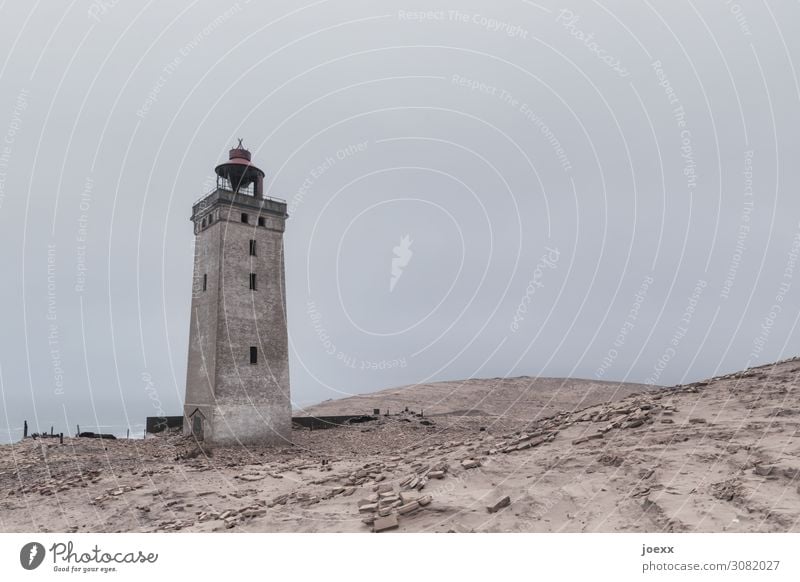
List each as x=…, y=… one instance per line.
x=252, y=248
x=253, y=355
x=253, y=281
x=261, y=221
x=205, y=281
x=244, y=217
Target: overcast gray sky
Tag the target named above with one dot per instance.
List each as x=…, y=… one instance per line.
x=603, y=190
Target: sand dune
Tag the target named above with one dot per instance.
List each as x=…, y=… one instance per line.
x=721, y=455
x=521, y=398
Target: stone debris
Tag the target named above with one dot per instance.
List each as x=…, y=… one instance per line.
x=504, y=502
x=587, y=438
x=207, y=516
x=230, y=517
x=373, y=473
x=279, y=500
x=407, y=497
x=51, y=486
x=622, y=416
x=408, y=507
x=385, y=523
x=611, y=460
x=726, y=490
x=173, y=525
x=115, y=492
x=251, y=476
x=410, y=482
x=525, y=442
x=645, y=474
x=239, y=493
x=520, y=443
x=470, y=464
x=303, y=498
x=306, y=499
x=389, y=505
x=373, y=498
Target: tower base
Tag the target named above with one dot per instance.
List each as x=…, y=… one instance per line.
x=239, y=424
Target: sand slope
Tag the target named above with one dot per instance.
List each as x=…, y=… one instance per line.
x=722, y=455
x=522, y=398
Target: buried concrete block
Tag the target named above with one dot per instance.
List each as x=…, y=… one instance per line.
x=504, y=502
x=385, y=523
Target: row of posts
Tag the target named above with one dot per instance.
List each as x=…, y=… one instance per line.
x=61, y=434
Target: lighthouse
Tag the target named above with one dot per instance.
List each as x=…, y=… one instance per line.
x=237, y=380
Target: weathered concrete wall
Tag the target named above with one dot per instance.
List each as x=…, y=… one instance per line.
x=156, y=424
x=250, y=424
x=201, y=363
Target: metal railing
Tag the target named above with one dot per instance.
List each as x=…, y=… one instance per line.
x=242, y=193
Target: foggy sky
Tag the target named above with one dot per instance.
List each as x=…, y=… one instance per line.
x=605, y=190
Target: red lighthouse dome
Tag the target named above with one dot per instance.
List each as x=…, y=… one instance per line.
x=238, y=173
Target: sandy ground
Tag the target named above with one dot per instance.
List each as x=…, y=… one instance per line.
x=722, y=455
x=523, y=398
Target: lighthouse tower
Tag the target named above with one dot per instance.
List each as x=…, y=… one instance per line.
x=237, y=382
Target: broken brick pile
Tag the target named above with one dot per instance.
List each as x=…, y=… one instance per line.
x=383, y=508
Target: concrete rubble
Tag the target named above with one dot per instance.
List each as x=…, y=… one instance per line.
x=500, y=504
x=388, y=503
